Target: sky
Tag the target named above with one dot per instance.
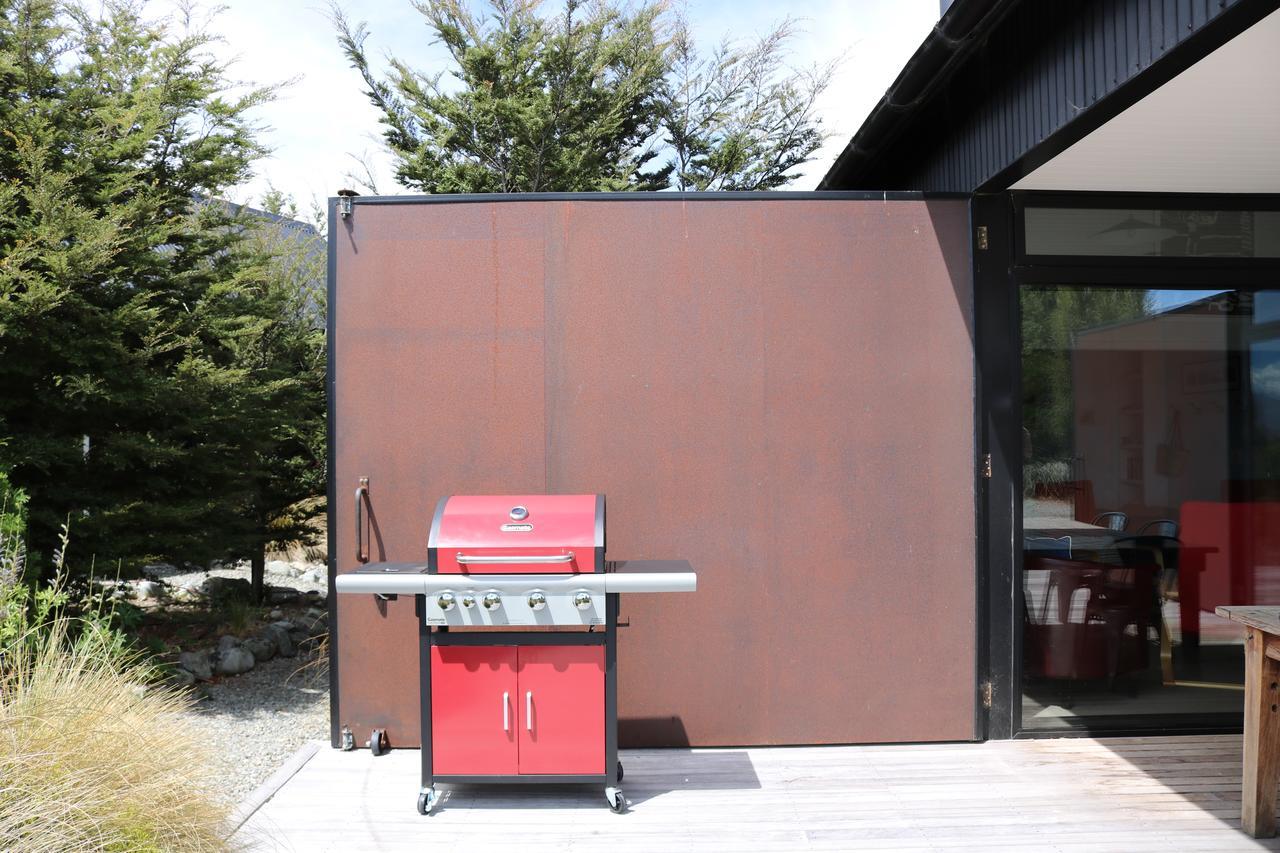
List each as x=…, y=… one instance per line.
x=322, y=120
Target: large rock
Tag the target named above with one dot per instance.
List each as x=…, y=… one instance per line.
x=226, y=641
x=160, y=569
x=180, y=677
x=280, y=635
x=193, y=591
x=277, y=567
x=314, y=621
x=234, y=661
x=282, y=595
x=198, y=663
x=148, y=590
x=262, y=646
x=227, y=589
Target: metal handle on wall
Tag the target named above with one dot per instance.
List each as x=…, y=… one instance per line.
x=528, y=710
x=362, y=492
x=506, y=712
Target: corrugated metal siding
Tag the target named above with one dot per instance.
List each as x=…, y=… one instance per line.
x=1042, y=66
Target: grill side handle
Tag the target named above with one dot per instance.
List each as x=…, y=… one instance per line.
x=651, y=582
x=389, y=584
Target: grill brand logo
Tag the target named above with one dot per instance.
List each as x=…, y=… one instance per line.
x=517, y=528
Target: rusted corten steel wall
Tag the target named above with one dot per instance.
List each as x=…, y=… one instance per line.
x=780, y=391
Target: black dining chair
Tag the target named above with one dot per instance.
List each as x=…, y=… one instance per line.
x=1112, y=521
x=1160, y=527
x=1150, y=547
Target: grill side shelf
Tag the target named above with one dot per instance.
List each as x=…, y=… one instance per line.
x=390, y=582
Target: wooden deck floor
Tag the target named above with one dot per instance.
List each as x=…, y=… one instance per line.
x=1135, y=794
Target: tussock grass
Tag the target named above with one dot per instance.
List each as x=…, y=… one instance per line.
x=90, y=758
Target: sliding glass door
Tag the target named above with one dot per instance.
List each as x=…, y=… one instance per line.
x=1150, y=463
x=1151, y=495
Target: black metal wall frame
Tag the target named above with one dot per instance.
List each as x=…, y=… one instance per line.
x=331, y=457
x=1001, y=270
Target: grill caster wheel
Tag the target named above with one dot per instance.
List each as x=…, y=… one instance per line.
x=427, y=801
x=377, y=742
x=619, y=771
x=617, y=802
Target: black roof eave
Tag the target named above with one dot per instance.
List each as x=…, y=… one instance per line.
x=940, y=55
x=947, y=51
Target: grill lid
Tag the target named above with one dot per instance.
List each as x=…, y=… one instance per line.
x=508, y=534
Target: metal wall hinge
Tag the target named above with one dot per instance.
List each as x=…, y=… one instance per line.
x=986, y=466
x=987, y=691
x=982, y=238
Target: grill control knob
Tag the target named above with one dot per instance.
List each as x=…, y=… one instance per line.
x=445, y=601
x=492, y=600
x=537, y=600
x=582, y=600
x=468, y=600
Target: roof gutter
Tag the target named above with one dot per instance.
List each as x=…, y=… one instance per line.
x=961, y=29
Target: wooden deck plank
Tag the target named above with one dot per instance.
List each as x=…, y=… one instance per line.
x=1064, y=796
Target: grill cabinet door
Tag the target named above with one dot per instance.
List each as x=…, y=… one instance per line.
x=561, y=701
x=473, y=710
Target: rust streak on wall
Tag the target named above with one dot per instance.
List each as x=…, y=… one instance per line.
x=779, y=391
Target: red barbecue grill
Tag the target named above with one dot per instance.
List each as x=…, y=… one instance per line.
x=518, y=620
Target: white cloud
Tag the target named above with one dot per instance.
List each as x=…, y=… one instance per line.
x=1266, y=380
x=323, y=117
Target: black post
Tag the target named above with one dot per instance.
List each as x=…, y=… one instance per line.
x=999, y=604
x=611, y=688
x=258, y=573
x=424, y=682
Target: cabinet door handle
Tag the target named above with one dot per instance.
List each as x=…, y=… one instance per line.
x=506, y=712
x=528, y=711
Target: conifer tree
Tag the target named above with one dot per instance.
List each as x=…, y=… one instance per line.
x=597, y=96
x=134, y=401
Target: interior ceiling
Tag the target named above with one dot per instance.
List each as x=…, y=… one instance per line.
x=1215, y=128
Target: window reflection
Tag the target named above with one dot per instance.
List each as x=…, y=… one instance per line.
x=1126, y=232
x=1151, y=482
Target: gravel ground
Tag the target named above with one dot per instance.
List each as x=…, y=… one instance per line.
x=301, y=576
x=257, y=720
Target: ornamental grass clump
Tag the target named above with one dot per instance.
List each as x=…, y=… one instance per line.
x=94, y=754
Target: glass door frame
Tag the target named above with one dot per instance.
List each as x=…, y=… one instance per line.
x=1001, y=270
